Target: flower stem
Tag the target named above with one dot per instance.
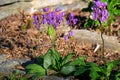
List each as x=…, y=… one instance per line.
x=102, y=48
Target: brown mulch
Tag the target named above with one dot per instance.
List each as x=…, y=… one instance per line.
x=18, y=39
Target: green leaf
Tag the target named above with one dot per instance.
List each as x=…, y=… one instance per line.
x=55, y=59
x=40, y=60
x=66, y=70
x=117, y=76
x=110, y=66
x=55, y=56
x=80, y=70
x=67, y=58
x=116, y=12
x=47, y=59
x=50, y=31
x=94, y=75
x=78, y=61
x=94, y=69
x=35, y=69
x=89, y=22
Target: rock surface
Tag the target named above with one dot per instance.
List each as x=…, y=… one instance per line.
x=12, y=63
x=7, y=66
x=111, y=42
x=10, y=9
x=4, y=2
x=13, y=9
x=43, y=3
x=2, y=58
x=55, y=78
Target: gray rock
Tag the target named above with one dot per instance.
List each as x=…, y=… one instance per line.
x=9, y=64
x=13, y=9
x=2, y=58
x=25, y=0
x=4, y=71
x=8, y=10
x=54, y=78
x=111, y=42
x=43, y=3
x=4, y=2
x=12, y=63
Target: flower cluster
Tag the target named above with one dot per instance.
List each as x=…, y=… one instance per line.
x=52, y=18
x=36, y=21
x=71, y=20
x=99, y=11
x=70, y=34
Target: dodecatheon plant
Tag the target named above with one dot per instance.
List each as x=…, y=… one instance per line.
x=53, y=19
x=71, y=20
x=100, y=12
x=36, y=21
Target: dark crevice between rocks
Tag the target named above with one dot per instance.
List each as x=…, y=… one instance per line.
x=8, y=4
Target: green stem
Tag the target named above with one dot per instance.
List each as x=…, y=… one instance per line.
x=102, y=48
x=53, y=42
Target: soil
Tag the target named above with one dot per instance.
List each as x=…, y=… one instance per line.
x=19, y=39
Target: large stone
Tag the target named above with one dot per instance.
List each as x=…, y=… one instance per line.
x=13, y=9
x=2, y=58
x=7, y=71
x=8, y=10
x=111, y=42
x=9, y=64
x=54, y=78
x=43, y=3
x=4, y=2
x=26, y=0
x=14, y=62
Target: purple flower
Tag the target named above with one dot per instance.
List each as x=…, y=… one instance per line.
x=37, y=26
x=36, y=21
x=70, y=33
x=99, y=11
x=46, y=9
x=95, y=16
x=53, y=18
x=66, y=38
x=71, y=20
x=57, y=9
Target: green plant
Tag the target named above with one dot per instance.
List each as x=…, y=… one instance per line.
x=103, y=12
x=53, y=61
x=64, y=65
x=96, y=72
x=36, y=70
x=113, y=9
x=106, y=70
x=15, y=75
